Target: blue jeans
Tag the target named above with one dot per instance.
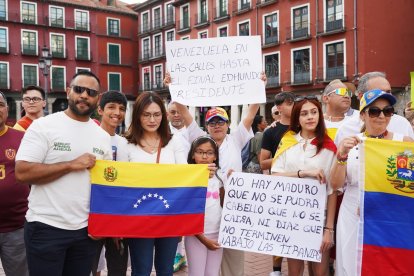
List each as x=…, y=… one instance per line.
x=53, y=251
x=142, y=255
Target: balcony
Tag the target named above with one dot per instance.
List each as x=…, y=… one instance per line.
x=4, y=48
x=156, y=25
x=29, y=18
x=183, y=26
x=273, y=81
x=221, y=14
x=327, y=74
x=271, y=41
x=144, y=29
x=264, y=3
x=201, y=20
x=84, y=56
x=60, y=53
x=56, y=22
x=178, y=3
x=58, y=85
x=152, y=86
x=332, y=25
x=144, y=56
x=297, y=34
x=170, y=22
x=29, y=51
x=242, y=6
x=122, y=33
x=298, y=77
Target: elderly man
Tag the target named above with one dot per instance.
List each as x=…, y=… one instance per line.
x=54, y=157
x=369, y=81
x=33, y=102
x=13, y=199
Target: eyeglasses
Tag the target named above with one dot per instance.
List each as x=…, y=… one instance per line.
x=79, y=90
x=214, y=124
x=34, y=99
x=374, y=111
x=206, y=153
x=148, y=116
x=344, y=92
x=302, y=98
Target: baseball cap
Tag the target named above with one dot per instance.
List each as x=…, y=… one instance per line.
x=372, y=95
x=216, y=112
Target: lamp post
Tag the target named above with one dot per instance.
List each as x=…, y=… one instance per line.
x=44, y=64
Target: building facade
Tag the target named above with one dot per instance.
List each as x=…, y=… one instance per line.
x=100, y=36
x=305, y=43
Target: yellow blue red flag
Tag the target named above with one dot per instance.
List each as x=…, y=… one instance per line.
x=387, y=208
x=147, y=200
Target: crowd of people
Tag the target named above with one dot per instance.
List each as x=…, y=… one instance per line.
x=45, y=183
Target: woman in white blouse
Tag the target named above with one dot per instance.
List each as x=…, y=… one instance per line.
x=150, y=141
x=306, y=151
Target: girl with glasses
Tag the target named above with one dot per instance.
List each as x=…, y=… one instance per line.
x=306, y=151
x=376, y=110
x=204, y=253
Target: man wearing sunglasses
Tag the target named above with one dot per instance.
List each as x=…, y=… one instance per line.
x=33, y=103
x=55, y=156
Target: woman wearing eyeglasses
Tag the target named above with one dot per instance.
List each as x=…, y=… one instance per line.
x=150, y=141
x=376, y=109
x=306, y=151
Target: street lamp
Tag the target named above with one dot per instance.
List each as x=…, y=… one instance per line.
x=44, y=64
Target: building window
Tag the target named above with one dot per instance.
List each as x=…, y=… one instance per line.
x=3, y=11
x=244, y=4
x=57, y=45
x=29, y=75
x=147, y=78
x=28, y=12
x=203, y=11
x=271, y=63
x=56, y=17
x=222, y=10
x=185, y=24
x=170, y=14
x=114, y=81
x=271, y=28
x=158, y=76
x=202, y=35
x=114, y=54
x=82, y=48
x=81, y=20
x=4, y=75
x=170, y=35
x=58, y=78
x=301, y=66
x=223, y=32
x=29, y=43
x=78, y=69
x=157, y=46
x=335, y=61
x=146, y=49
x=113, y=27
x=4, y=44
x=244, y=29
x=334, y=15
x=157, y=18
x=300, y=25
x=145, y=22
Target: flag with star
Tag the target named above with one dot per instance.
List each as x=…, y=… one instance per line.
x=147, y=200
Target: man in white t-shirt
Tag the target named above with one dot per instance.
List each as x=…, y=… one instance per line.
x=369, y=81
x=54, y=157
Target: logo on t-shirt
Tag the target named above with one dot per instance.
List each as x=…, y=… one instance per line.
x=98, y=151
x=10, y=153
x=60, y=146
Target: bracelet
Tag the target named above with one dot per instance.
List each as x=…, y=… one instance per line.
x=341, y=162
x=331, y=230
x=299, y=174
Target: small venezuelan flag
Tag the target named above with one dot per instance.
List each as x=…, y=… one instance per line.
x=388, y=221
x=147, y=200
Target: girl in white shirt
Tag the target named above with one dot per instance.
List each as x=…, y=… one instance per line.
x=204, y=253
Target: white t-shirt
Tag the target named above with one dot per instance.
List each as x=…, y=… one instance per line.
x=398, y=124
x=213, y=208
x=173, y=153
x=119, y=148
x=230, y=148
x=296, y=158
x=64, y=202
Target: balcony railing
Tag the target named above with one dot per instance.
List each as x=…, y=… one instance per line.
x=30, y=51
x=29, y=18
x=298, y=77
x=84, y=56
x=262, y=3
x=5, y=49
x=293, y=34
x=144, y=29
x=3, y=83
x=272, y=81
x=201, y=19
x=327, y=74
x=157, y=24
x=241, y=6
x=221, y=14
x=271, y=40
x=183, y=26
x=333, y=24
x=153, y=86
x=59, y=54
x=151, y=54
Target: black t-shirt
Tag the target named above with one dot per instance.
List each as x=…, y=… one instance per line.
x=272, y=137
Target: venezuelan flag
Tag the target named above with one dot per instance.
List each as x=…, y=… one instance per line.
x=147, y=200
x=388, y=204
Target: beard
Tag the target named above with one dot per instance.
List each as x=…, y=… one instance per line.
x=87, y=112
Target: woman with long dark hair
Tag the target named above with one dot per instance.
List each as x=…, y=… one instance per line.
x=306, y=151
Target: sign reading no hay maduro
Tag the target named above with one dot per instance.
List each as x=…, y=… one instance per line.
x=281, y=216
x=216, y=71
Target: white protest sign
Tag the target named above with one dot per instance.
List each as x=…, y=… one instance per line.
x=216, y=71
x=281, y=216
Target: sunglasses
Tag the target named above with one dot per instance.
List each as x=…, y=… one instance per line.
x=302, y=98
x=344, y=92
x=79, y=90
x=374, y=111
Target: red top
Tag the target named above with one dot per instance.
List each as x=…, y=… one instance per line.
x=25, y=122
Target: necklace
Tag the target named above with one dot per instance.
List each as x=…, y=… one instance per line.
x=152, y=148
x=329, y=118
x=381, y=136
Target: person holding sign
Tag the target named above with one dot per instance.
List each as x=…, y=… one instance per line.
x=376, y=111
x=203, y=251
x=306, y=151
x=150, y=141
